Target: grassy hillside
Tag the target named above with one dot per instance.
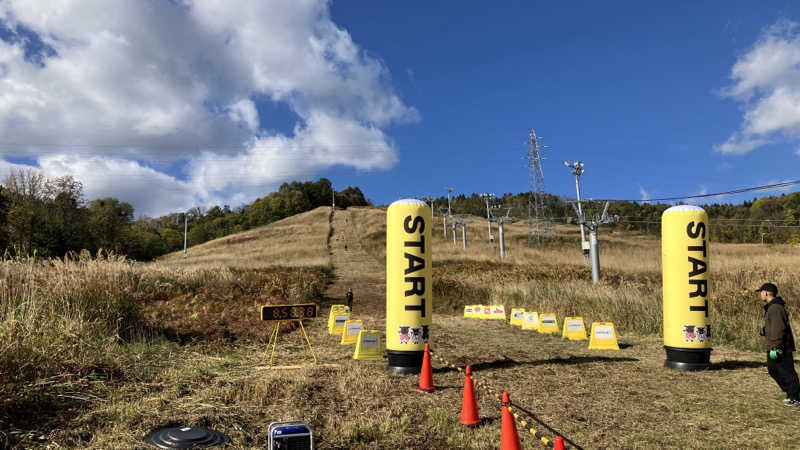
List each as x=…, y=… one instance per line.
x=297, y=241
x=74, y=331
x=554, y=277
x=98, y=352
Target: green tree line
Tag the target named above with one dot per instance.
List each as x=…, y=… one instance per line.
x=775, y=219
x=50, y=217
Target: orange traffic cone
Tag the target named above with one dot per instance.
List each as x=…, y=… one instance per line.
x=469, y=407
x=426, y=375
x=509, y=439
x=558, y=443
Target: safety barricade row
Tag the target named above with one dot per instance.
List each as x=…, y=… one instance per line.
x=511, y=408
x=603, y=335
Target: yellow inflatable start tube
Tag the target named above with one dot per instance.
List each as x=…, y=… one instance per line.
x=408, y=284
x=685, y=263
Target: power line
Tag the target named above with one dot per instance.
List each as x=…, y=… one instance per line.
x=735, y=191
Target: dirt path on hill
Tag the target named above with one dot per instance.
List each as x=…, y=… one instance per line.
x=355, y=269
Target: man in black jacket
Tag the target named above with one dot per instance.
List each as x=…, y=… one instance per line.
x=779, y=344
x=349, y=297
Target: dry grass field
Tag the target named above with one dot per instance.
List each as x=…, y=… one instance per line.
x=299, y=241
x=95, y=353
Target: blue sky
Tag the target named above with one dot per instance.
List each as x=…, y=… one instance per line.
x=177, y=104
x=632, y=89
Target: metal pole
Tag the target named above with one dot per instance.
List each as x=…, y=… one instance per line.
x=502, y=240
x=449, y=212
x=580, y=213
x=488, y=222
x=595, y=254
x=464, y=235
x=185, y=228
x=454, y=234
x=444, y=226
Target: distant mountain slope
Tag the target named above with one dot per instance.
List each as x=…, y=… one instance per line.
x=299, y=240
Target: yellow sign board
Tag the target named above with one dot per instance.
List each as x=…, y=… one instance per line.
x=530, y=321
x=574, y=330
x=548, y=324
x=336, y=322
x=468, y=311
x=368, y=345
x=475, y=312
x=485, y=312
x=336, y=310
x=498, y=312
x=350, y=332
x=517, y=316
x=603, y=336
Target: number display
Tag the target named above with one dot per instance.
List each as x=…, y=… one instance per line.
x=289, y=312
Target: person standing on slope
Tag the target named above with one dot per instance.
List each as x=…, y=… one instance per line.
x=350, y=298
x=779, y=344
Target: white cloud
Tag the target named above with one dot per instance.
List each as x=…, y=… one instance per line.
x=738, y=144
x=767, y=81
x=797, y=152
x=129, y=86
x=146, y=188
x=244, y=111
x=645, y=195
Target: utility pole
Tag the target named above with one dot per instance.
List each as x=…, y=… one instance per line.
x=500, y=231
x=577, y=170
x=449, y=211
x=487, y=196
x=443, y=213
x=185, y=229
x=462, y=222
x=429, y=199
x=593, y=224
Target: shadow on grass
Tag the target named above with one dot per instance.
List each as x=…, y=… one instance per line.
x=31, y=414
x=508, y=362
x=547, y=427
x=734, y=365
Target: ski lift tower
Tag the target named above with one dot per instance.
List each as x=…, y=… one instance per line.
x=540, y=225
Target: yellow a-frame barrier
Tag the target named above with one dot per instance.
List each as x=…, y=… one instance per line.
x=273, y=339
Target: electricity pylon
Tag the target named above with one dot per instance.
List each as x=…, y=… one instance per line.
x=539, y=221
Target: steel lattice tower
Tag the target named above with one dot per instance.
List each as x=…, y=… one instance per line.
x=540, y=224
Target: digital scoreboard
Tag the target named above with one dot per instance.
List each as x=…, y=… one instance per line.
x=289, y=312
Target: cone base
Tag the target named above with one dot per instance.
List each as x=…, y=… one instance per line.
x=471, y=424
x=423, y=390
